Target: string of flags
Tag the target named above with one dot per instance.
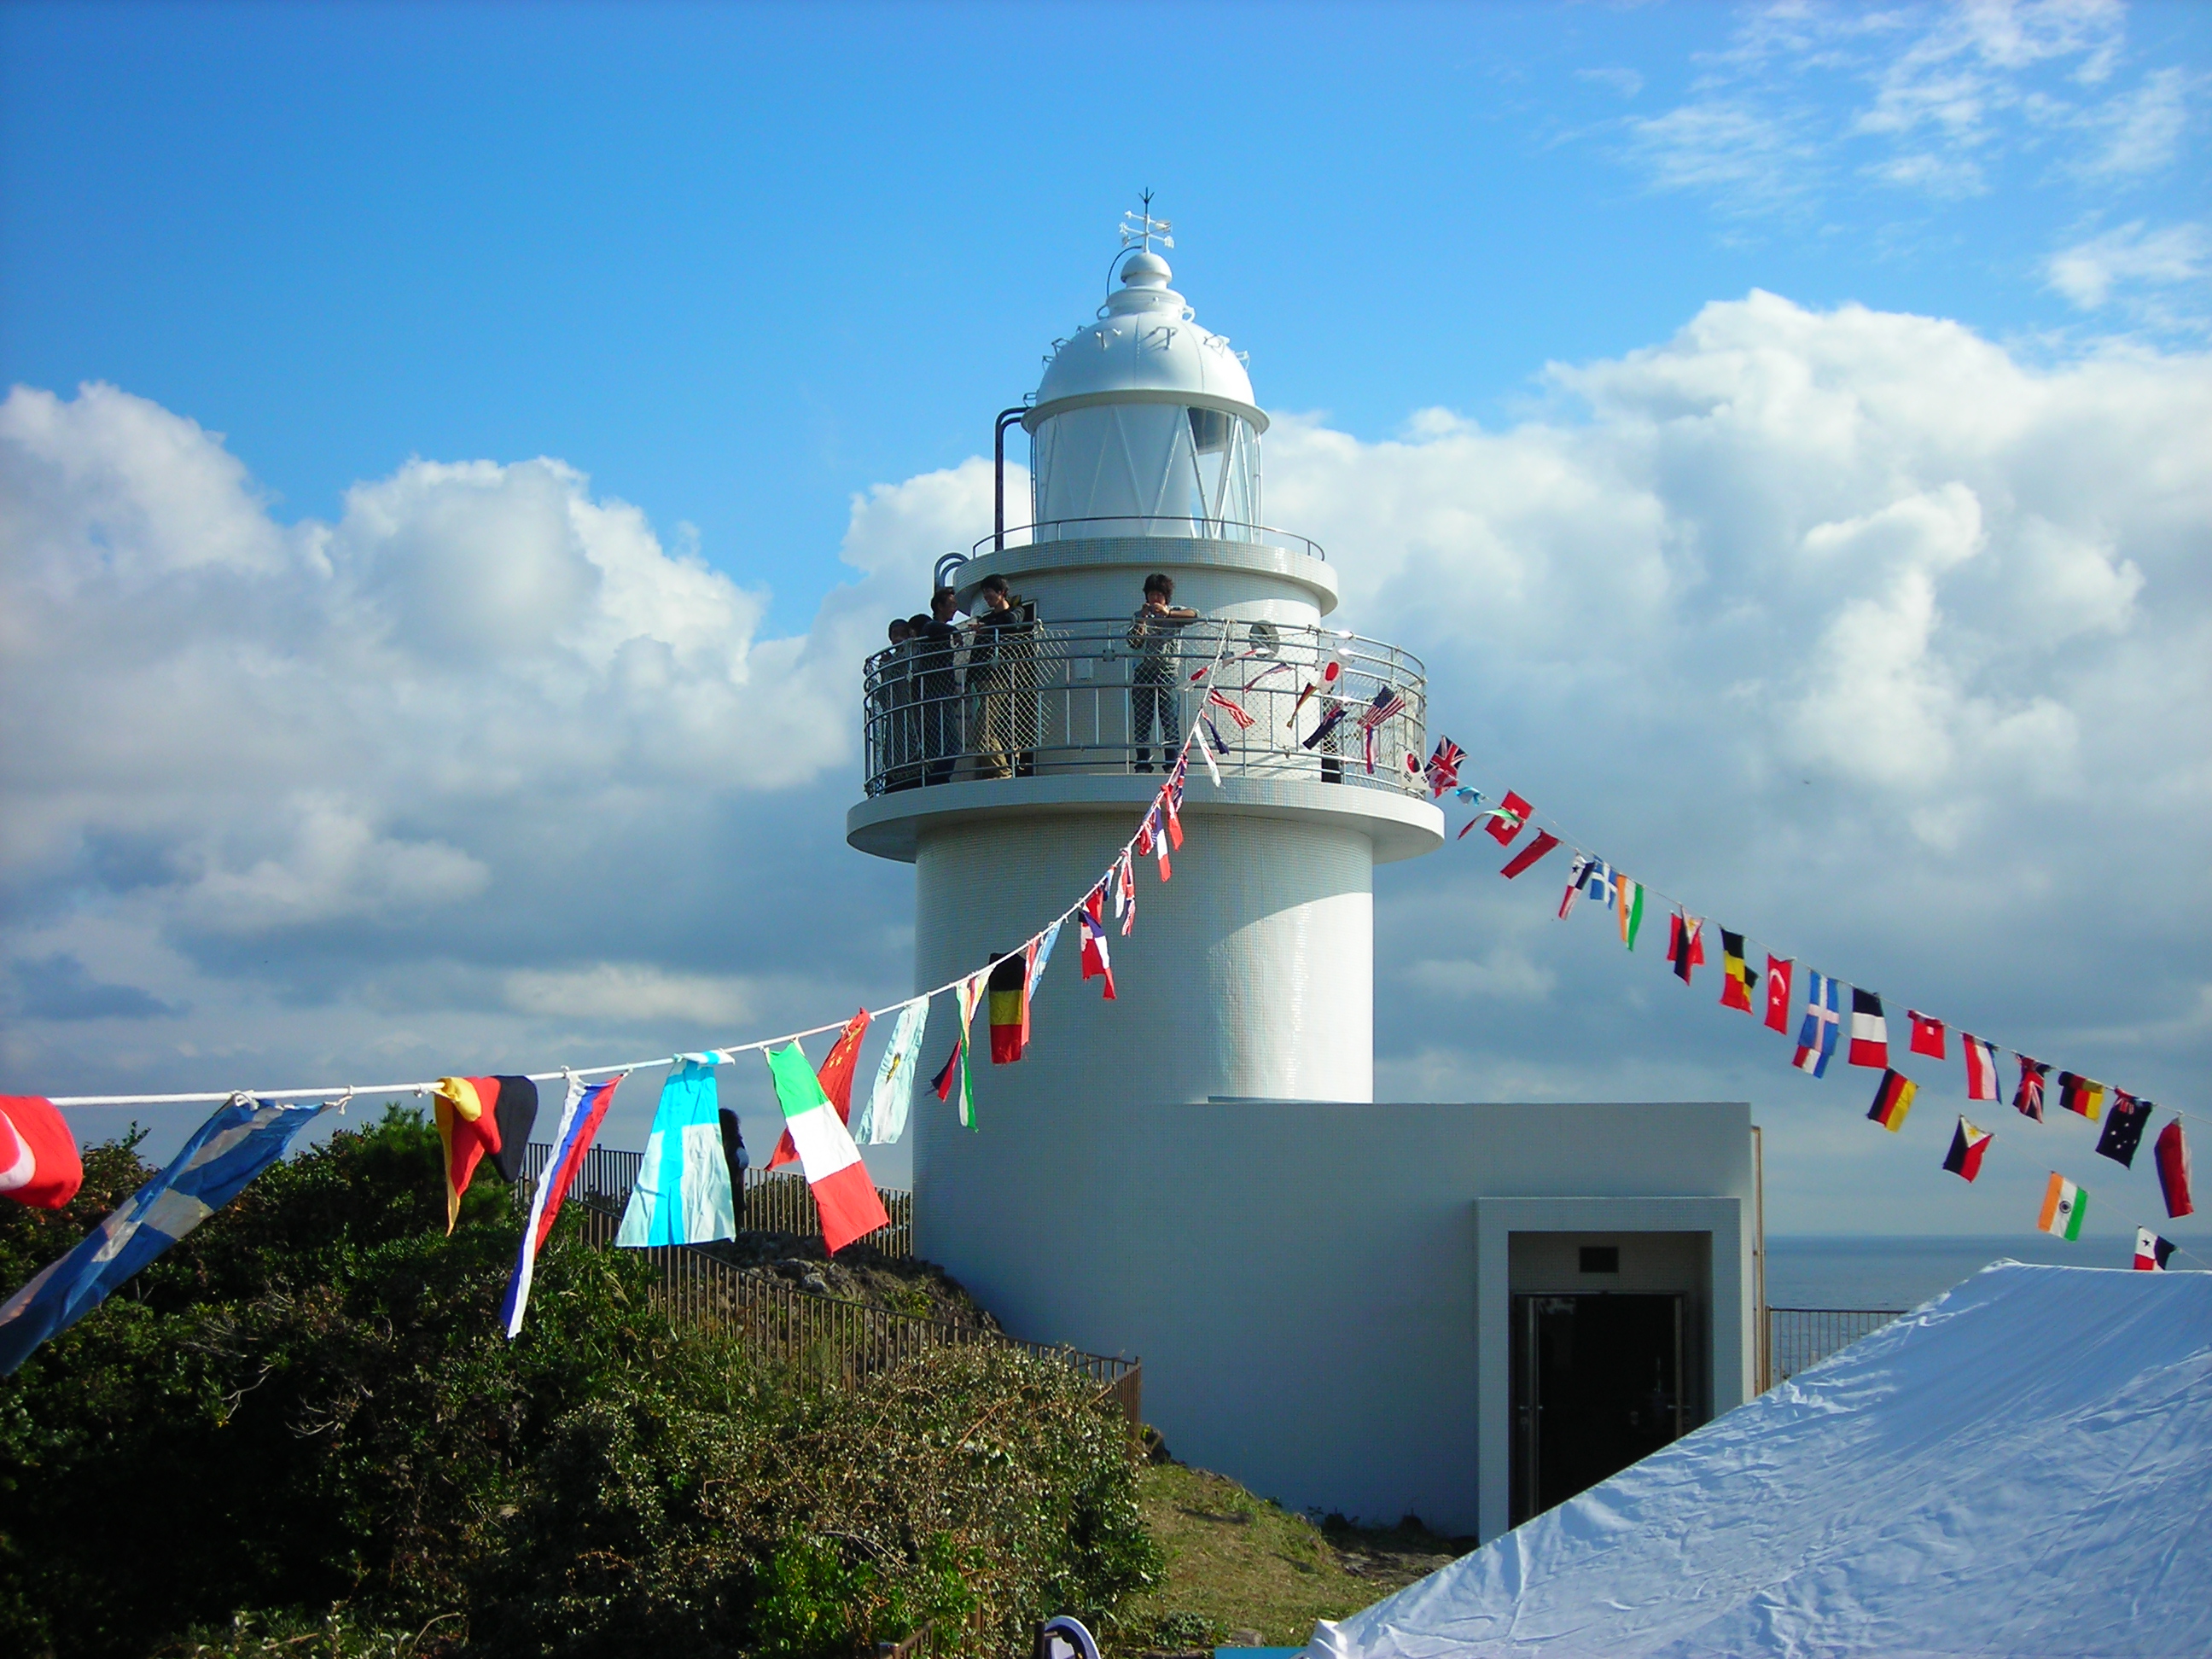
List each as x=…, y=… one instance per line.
x=683, y=1192
x=1814, y=1005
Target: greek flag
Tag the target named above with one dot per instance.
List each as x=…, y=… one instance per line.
x=244, y=1137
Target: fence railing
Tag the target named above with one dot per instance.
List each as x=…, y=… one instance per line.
x=1052, y=698
x=780, y=1202
x=1800, y=1338
x=1150, y=526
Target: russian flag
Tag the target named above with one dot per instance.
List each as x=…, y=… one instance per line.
x=580, y=1117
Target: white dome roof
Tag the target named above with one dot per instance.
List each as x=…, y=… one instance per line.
x=1146, y=341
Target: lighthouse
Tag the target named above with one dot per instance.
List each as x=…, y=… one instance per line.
x=1196, y=1171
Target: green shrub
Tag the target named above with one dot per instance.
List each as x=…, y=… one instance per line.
x=307, y=1409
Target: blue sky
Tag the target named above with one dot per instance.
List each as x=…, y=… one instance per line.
x=1710, y=393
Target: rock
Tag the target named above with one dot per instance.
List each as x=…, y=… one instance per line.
x=1243, y=1638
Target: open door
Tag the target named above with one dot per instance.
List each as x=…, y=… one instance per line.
x=1597, y=1384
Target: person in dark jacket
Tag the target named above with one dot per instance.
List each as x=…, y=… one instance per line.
x=936, y=687
x=734, y=1155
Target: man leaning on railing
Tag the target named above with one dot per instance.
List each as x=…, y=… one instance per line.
x=937, y=688
x=1152, y=634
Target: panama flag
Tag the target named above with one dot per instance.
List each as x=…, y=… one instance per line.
x=884, y=1115
x=1628, y=897
x=683, y=1190
x=1893, y=1099
x=1870, y=1031
x=1544, y=842
x=244, y=1137
x=2170, y=1153
x=1738, y=977
x=2080, y=1095
x=2065, y=1206
x=2027, y=1099
x=38, y=1164
x=1780, y=971
x=1575, y=872
x=1968, y=1144
x=581, y=1115
x=1816, y=1037
x=2151, y=1251
x=1981, y=1068
x=1097, y=960
x=844, y=1196
x=1927, y=1033
x=1507, y=817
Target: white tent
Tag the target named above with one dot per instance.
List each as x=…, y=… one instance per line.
x=2022, y=1467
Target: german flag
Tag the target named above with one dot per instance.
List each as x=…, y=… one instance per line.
x=2078, y=1094
x=1892, y=1099
x=1010, y=1006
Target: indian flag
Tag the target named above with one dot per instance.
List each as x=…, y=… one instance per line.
x=844, y=1194
x=2064, y=1205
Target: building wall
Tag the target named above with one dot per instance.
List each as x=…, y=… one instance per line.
x=1301, y=1277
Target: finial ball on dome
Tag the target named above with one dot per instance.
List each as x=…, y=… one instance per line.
x=1145, y=269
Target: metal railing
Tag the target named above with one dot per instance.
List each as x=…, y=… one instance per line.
x=1054, y=698
x=1800, y=1338
x=775, y=1203
x=1196, y=527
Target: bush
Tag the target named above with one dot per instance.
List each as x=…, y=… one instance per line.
x=307, y=1410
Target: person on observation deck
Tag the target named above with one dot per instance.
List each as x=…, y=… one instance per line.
x=1153, y=635
x=937, y=688
x=995, y=654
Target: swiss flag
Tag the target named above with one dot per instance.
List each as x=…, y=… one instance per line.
x=38, y=1164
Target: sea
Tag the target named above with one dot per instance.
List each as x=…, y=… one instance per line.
x=1857, y=1271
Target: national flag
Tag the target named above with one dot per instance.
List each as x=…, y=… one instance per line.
x=2065, y=1206
x=1097, y=960
x=1981, y=1068
x=1927, y=1033
x=1893, y=1099
x=2151, y=1251
x=955, y=1070
x=1870, y=1031
x=1544, y=842
x=244, y=1137
x=1738, y=977
x=1125, y=894
x=2027, y=1099
x=476, y=1115
x=1330, y=672
x=1816, y=1037
x=1575, y=872
x=1171, y=799
x=844, y=1197
x=1160, y=841
x=2123, y=1128
x=1598, y=883
x=1009, y=1007
x=1628, y=899
x=1507, y=817
x=1473, y=798
x=1387, y=701
x=1780, y=971
x=1968, y=1144
x=1685, y=945
x=1442, y=768
x=836, y=1080
x=38, y=1164
x=581, y=1114
x=2170, y=1153
x=1040, y=952
x=1205, y=754
x=884, y=1114
x=1217, y=698
x=2080, y=1095
x=1331, y=718
x=683, y=1191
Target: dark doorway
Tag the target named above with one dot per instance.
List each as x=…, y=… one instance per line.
x=1597, y=1384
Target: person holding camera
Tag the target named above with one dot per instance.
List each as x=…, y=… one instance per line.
x=1153, y=635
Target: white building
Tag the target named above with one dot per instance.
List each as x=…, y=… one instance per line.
x=1373, y=1308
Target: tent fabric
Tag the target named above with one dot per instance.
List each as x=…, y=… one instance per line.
x=2020, y=1467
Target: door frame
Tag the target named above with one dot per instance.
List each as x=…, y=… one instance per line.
x=1527, y=1473
x=1727, y=1322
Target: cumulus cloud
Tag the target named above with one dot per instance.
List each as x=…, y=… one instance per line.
x=1856, y=631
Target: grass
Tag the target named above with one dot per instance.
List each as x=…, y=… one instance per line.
x=1239, y=1566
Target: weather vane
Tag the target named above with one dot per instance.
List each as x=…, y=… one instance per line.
x=1141, y=226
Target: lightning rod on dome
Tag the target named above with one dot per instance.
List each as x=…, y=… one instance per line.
x=1140, y=227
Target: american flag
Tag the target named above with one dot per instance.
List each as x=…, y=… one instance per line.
x=1444, y=767
x=1222, y=700
x=1388, y=702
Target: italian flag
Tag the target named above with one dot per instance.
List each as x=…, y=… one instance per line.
x=2064, y=1205
x=846, y=1197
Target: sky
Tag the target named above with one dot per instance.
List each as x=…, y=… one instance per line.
x=455, y=459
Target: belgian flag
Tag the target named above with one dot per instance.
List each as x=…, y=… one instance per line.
x=1010, y=1006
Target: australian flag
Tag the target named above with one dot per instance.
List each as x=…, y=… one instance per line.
x=244, y=1137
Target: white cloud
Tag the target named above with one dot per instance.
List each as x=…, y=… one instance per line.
x=634, y=994
x=2091, y=272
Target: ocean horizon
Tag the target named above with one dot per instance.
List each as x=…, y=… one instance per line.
x=1903, y=1271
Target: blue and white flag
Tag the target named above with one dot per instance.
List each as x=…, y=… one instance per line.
x=1816, y=1037
x=884, y=1114
x=1045, y=940
x=683, y=1191
x=244, y=1137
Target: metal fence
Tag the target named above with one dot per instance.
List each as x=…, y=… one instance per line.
x=780, y=1202
x=1052, y=698
x=1799, y=1338
x=1150, y=526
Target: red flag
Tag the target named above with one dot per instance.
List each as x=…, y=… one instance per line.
x=1506, y=821
x=1097, y=961
x=1544, y=842
x=835, y=1078
x=1685, y=945
x=1174, y=799
x=1981, y=1066
x=2173, y=1154
x=38, y=1164
x=1780, y=971
x=1927, y=1033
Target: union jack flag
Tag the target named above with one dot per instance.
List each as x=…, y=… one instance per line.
x=1444, y=767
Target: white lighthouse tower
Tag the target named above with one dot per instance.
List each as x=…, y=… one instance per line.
x=1197, y=1172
